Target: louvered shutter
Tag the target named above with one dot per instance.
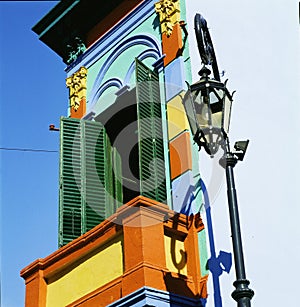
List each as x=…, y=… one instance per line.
x=97, y=174
x=70, y=181
x=151, y=150
x=117, y=175
x=86, y=184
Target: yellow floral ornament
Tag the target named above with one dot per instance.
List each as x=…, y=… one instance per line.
x=169, y=14
x=77, y=87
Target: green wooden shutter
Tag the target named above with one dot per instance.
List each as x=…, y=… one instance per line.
x=117, y=174
x=151, y=150
x=70, y=181
x=97, y=173
x=86, y=184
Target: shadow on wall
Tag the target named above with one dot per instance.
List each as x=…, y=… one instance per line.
x=215, y=264
x=171, y=283
x=179, y=282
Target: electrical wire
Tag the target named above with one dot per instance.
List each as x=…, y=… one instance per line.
x=28, y=149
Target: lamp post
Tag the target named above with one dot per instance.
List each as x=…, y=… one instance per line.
x=208, y=108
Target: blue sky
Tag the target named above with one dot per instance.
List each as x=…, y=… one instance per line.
x=33, y=95
x=257, y=44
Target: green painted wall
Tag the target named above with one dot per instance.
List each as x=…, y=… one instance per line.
x=121, y=65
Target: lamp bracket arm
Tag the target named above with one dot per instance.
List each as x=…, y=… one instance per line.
x=205, y=45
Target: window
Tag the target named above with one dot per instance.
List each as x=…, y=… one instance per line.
x=107, y=162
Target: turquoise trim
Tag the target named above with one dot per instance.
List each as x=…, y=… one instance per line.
x=59, y=18
x=186, y=50
x=203, y=252
x=165, y=140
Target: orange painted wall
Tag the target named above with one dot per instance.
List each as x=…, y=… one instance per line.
x=143, y=223
x=180, y=154
x=80, y=112
x=172, y=45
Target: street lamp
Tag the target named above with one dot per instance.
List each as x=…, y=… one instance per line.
x=208, y=108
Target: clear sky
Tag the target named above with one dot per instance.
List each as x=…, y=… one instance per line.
x=257, y=44
x=33, y=95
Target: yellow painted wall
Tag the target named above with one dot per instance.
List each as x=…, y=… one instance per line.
x=175, y=255
x=177, y=120
x=89, y=275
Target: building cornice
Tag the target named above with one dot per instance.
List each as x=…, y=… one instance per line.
x=73, y=20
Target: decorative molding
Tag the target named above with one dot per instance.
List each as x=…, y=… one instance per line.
x=77, y=87
x=90, y=116
x=75, y=49
x=148, y=53
x=169, y=14
x=122, y=90
x=112, y=82
x=152, y=50
x=148, y=296
x=120, y=31
x=158, y=65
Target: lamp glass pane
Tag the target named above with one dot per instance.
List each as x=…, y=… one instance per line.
x=215, y=96
x=190, y=112
x=217, y=119
x=216, y=105
x=202, y=110
x=226, y=113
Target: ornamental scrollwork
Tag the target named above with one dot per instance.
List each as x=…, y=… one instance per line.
x=75, y=49
x=77, y=87
x=169, y=14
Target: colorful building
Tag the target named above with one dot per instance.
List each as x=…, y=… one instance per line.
x=130, y=230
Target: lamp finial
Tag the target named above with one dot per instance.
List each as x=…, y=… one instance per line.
x=204, y=72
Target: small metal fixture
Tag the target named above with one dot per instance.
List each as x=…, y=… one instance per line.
x=52, y=128
x=240, y=149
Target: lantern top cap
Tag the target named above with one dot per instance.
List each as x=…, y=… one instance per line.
x=204, y=72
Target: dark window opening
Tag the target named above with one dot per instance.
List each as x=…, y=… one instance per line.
x=120, y=121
